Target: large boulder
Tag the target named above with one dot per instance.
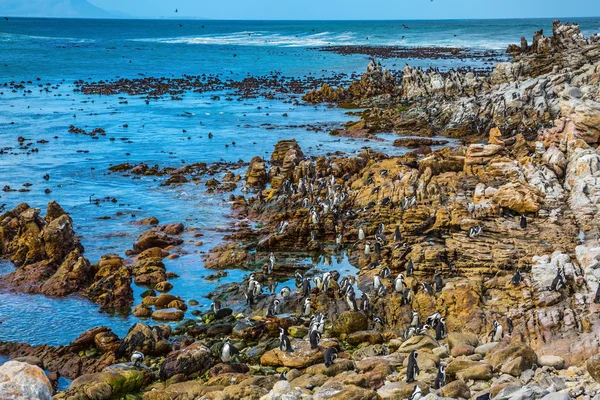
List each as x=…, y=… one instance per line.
x=195, y=358
x=23, y=381
x=350, y=322
x=148, y=340
x=256, y=174
x=593, y=367
x=115, y=382
x=520, y=197
x=155, y=238
x=511, y=358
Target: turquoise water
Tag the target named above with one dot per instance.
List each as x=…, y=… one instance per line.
x=60, y=52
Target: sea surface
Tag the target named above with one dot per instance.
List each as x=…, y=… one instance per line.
x=60, y=52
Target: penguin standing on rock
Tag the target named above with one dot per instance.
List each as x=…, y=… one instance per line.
x=413, y=367
x=397, y=235
x=414, y=321
x=438, y=281
x=440, y=329
x=307, y=307
x=365, y=303
x=329, y=355
x=284, y=341
x=523, y=222
x=496, y=333
x=410, y=268
x=314, y=338
x=597, y=297
x=361, y=233
x=228, y=351
x=376, y=282
x=137, y=357
x=559, y=281
x=306, y=287
x=399, y=283
x=440, y=378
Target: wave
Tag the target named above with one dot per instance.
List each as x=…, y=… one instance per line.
x=14, y=37
x=261, y=38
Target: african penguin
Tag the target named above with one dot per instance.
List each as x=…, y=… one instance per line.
x=137, y=357
x=329, y=355
x=413, y=367
x=496, y=333
x=440, y=378
x=314, y=338
x=284, y=341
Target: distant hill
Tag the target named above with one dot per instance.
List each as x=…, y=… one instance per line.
x=52, y=8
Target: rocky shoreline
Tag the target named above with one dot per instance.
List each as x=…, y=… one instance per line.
x=480, y=258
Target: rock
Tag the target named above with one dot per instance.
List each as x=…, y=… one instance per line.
x=456, y=389
x=339, y=366
x=168, y=314
x=180, y=391
x=107, y=342
x=283, y=390
x=297, y=331
x=521, y=393
x=350, y=322
x=111, y=285
x=302, y=356
x=592, y=366
x=19, y=380
x=192, y=359
x=417, y=343
x=309, y=381
x=142, y=311
x=462, y=350
x=459, y=339
x=256, y=174
x=163, y=286
x=400, y=390
x=555, y=362
x=481, y=372
x=371, y=337
x=155, y=238
x=114, y=382
x=557, y=396
x=519, y=197
x=485, y=348
x=339, y=391
x=151, y=341
x=458, y=365
x=511, y=358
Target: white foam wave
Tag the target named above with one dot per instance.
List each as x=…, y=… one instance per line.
x=261, y=38
x=13, y=37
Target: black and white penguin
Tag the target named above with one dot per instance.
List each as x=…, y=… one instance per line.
x=413, y=367
x=137, y=357
x=283, y=376
x=249, y=295
x=433, y=319
x=377, y=322
x=410, y=268
x=314, y=338
x=517, y=278
x=414, y=320
x=215, y=306
x=285, y=291
x=427, y=288
x=351, y=301
x=376, y=282
x=406, y=297
x=228, y=351
x=416, y=393
x=386, y=273
x=361, y=233
x=440, y=329
x=377, y=248
x=306, y=287
x=382, y=291
x=397, y=234
x=597, y=297
x=559, y=281
x=438, y=282
x=440, y=378
x=485, y=396
x=284, y=341
x=399, y=284
x=523, y=222
x=329, y=355
x=306, y=310
x=367, y=249
x=509, y=324
x=496, y=334
x=365, y=303
x=409, y=332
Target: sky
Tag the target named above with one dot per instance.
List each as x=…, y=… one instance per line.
x=352, y=9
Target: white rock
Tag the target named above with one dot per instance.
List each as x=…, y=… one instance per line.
x=22, y=381
x=555, y=362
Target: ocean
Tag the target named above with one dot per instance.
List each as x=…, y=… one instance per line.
x=173, y=133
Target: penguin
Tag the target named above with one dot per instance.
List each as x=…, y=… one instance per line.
x=306, y=287
x=409, y=332
x=414, y=321
x=314, y=338
x=440, y=378
x=367, y=249
x=351, y=301
x=215, y=306
x=329, y=355
x=365, y=303
x=427, y=288
x=382, y=291
x=433, y=319
x=510, y=325
x=361, y=234
x=440, y=329
x=377, y=248
x=137, y=357
x=517, y=278
x=376, y=282
x=283, y=376
x=413, y=367
x=416, y=393
x=307, y=307
x=438, y=282
x=249, y=295
x=485, y=396
x=496, y=333
x=386, y=273
x=523, y=222
x=339, y=240
x=399, y=283
x=406, y=297
x=284, y=342
x=228, y=351
x=285, y=291
x=377, y=321
x=559, y=281
x=397, y=235
x=410, y=267
x=597, y=297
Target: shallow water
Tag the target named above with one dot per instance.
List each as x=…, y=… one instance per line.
x=62, y=51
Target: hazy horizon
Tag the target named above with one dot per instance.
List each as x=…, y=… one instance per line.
x=309, y=10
